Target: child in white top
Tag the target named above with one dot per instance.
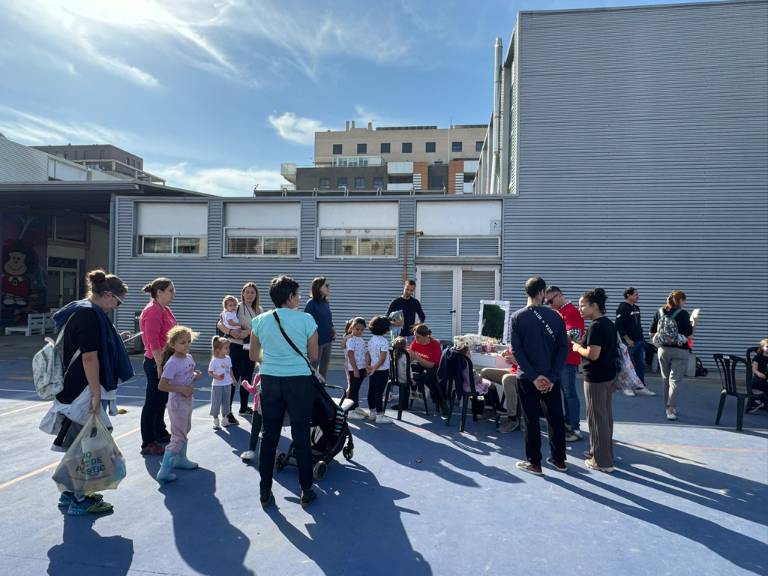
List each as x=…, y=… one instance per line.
x=220, y=371
x=378, y=369
x=229, y=317
x=355, y=353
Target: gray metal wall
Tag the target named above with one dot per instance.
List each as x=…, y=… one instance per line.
x=643, y=161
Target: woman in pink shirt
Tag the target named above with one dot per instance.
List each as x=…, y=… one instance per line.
x=155, y=321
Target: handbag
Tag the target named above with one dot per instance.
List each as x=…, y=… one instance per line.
x=318, y=378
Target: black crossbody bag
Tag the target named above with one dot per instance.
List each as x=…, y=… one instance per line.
x=315, y=374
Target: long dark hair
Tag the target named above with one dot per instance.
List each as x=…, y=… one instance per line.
x=256, y=303
x=317, y=284
x=596, y=296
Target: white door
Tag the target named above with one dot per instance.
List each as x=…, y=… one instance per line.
x=450, y=296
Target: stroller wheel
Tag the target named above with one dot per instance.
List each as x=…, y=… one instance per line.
x=281, y=461
x=348, y=452
x=319, y=470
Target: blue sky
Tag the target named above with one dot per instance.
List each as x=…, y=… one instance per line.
x=215, y=95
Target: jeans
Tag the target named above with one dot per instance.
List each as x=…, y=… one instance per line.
x=637, y=355
x=570, y=397
x=294, y=394
x=153, y=412
x=532, y=402
x=672, y=363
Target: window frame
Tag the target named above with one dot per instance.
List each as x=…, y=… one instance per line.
x=356, y=181
x=340, y=149
x=140, y=239
x=390, y=233
x=388, y=150
x=427, y=145
x=320, y=184
x=260, y=233
x=362, y=148
x=410, y=148
x=457, y=146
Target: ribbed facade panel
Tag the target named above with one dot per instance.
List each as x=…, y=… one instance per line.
x=643, y=161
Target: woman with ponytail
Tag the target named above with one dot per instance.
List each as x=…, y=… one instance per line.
x=155, y=321
x=600, y=370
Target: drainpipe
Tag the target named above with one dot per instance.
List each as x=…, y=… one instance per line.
x=408, y=234
x=495, y=136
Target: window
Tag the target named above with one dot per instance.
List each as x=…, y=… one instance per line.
x=364, y=243
x=68, y=228
x=407, y=147
x=337, y=149
x=359, y=182
x=178, y=229
x=362, y=148
x=250, y=229
x=478, y=146
x=385, y=148
x=455, y=146
x=341, y=182
x=378, y=182
x=325, y=184
x=431, y=147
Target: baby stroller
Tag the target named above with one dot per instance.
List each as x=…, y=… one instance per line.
x=329, y=432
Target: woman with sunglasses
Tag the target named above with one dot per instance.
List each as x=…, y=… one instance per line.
x=155, y=321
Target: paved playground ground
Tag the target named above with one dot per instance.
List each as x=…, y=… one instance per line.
x=418, y=498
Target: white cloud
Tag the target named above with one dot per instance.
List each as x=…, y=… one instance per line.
x=363, y=116
x=220, y=181
x=295, y=128
x=33, y=129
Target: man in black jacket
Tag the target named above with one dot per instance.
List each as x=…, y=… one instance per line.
x=630, y=330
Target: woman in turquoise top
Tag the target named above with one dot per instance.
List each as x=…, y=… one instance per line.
x=286, y=382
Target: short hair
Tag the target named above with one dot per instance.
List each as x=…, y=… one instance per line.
x=281, y=289
x=421, y=329
x=317, y=284
x=534, y=286
x=596, y=296
x=228, y=298
x=379, y=325
x=629, y=291
x=399, y=343
x=553, y=289
x=763, y=343
x=411, y=282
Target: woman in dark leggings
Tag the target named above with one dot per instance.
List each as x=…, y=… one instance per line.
x=242, y=366
x=155, y=321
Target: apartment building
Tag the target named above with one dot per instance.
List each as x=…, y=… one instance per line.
x=396, y=158
x=105, y=158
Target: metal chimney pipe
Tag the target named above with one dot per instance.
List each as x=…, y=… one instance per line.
x=496, y=133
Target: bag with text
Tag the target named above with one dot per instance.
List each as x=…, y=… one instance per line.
x=93, y=462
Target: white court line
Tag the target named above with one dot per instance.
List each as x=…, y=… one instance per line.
x=35, y=405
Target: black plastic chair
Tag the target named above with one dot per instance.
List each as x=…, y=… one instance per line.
x=455, y=390
x=727, y=366
x=394, y=380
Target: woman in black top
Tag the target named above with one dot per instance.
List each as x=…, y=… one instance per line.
x=673, y=356
x=600, y=372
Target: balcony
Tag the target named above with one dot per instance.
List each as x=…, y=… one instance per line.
x=399, y=187
x=288, y=171
x=471, y=166
x=121, y=170
x=399, y=167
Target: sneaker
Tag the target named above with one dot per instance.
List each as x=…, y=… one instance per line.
x=526, y=466
x=153, y=449
x=559, y=466
x=645, y=392
x=509, y=426
x=357, y=414
x=757, y=405
x=267, y=499
x=383, y=419
x=629, y=392
x=89, y=505
x=671, y=414
x=66, y=498
x=592, y=465
x=573, y=436
x=372, y=415
x=307, y=497
x=245, y=411
x=216, y=423
x=231, y=420
x=248, y=455
x=588, y=454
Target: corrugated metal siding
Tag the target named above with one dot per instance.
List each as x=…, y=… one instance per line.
x=437, y=247
x=476, y=285
x=643, y=161
x=479, y=247
x=436, y=293
x=20, y=163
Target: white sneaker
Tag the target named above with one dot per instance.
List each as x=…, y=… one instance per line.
x=382, y=419
x=629, y=392
x=216, y=424
x=356, y=414
x=573, y=436
x=248, y=455
x=671, y=415
x=645, y=392
x=372, y=415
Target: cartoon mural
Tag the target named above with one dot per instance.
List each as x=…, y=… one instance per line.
x=22, y=278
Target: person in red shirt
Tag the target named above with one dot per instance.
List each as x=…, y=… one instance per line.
x=574, y=327
x=426, y=354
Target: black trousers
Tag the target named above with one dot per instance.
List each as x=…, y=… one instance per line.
x=153, y=412
x=295, y=395
x=255, y=429
x=242, y=368
x=377, y=383
x=429, y=375
x=532, y=402
x=354, y=386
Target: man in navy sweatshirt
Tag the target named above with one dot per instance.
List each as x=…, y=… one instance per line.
x=540, y=345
